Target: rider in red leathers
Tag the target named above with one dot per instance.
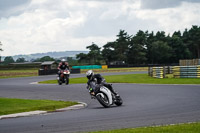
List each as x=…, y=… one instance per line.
x=62, y=66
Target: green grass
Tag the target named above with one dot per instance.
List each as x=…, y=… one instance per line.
x=34, y=72
x=18, y=73
x=179, y=128
x=10, y=106
x=133, y=78
x=71, y=81
x=129, y=69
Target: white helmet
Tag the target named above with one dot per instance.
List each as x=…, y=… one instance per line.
x=63, y=60
x=89, y=74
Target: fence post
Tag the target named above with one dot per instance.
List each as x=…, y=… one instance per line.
x=149, y=73
x=164, y=72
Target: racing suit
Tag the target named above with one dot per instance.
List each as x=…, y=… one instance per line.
x=99, y=80
x=62, y=66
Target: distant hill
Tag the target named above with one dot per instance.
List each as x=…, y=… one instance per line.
x=55, y=55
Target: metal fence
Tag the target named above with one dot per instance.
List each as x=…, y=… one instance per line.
x=186, y=71
x=192, y=62
x=55, y=71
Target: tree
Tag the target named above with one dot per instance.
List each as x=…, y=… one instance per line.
x=108, y=52
x=192, y=39
x=121, y=45
x=8, y=60
x=160, y=36
x=137, y=49
x=94, y=54
x=179, y=49
x=136, y=54
x=45, y=58
x=82, y=57
x=0, y=46
x=0, y=50
x=19, y=60
x=161, y=52
x=150, y=39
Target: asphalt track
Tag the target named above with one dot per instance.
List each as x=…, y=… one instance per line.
x=144, y=105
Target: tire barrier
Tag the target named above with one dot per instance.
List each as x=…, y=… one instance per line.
x=157, y=72
x=186, y=71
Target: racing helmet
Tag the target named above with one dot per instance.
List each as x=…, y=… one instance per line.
x=89, y=74
x=63, y=61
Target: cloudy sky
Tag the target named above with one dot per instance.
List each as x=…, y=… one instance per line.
x=35, y=26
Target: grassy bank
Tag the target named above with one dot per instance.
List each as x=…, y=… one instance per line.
x=129, y=69
x=18, y=73
x=133, y=78
x=10, y=106
x=34, y=72
x=179, y=128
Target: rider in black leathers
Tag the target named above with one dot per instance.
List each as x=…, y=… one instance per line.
x=99, y=80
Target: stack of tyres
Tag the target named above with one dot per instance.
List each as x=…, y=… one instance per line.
x=158, y=72
x=186, y=72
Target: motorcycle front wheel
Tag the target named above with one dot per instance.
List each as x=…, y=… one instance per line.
x=103, y=100
x=59, y=82
x=67, y=81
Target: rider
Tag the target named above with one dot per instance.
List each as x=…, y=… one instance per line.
x=99, y=81
x=62, y=66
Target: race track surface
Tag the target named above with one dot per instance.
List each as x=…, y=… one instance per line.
x=144, y=105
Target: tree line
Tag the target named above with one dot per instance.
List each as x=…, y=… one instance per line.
x=146, y=48
x=9, y=59
x=140, y=49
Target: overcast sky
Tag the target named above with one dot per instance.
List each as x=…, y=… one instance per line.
x=35, y=26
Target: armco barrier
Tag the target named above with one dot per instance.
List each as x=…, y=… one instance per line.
x=47, y=72
x=55, y=71
x=186, y=71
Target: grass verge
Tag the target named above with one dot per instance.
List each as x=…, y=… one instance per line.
x=179, y=128
x=18, y=73
x=129, y=69
x=10, y=105
x=34, y=72
x=133, y=78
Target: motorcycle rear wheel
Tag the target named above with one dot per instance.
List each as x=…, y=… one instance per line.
x=119, y=101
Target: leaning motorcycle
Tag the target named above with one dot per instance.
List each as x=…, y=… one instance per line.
x=64, y=77
x=105, y=97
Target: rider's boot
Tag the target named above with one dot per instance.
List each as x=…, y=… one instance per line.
x=113, y=91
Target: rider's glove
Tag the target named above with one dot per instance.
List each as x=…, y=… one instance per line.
x=90, y=89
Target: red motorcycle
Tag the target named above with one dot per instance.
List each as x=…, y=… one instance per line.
x=64, y=77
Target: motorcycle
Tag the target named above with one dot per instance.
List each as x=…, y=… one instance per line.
x=64, y=77
x=105, y=97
